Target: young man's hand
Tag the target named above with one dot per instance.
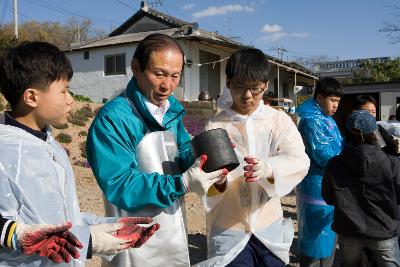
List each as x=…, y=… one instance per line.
x=257, y=169
x=53, y=241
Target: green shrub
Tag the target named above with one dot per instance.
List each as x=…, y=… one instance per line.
x=82, y=98
x=64, y=138
x=62, y=126
x=82, y=133
x=76, y=121
x=85, y=111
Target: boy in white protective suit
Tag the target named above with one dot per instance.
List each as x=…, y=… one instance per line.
x=245, y=224
x=37, y=184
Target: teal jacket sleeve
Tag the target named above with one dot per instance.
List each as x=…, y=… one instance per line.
x=317, y=143
x=111, y=154
x=184, y=146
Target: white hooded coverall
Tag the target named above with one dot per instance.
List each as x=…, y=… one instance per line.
x=255, y=208
x=37, y=185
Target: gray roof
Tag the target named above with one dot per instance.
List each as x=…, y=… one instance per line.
x=177, y=33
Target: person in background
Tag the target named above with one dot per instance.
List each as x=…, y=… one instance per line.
x=266, y=97
x=140, y=154
x=37, y=184
x=365, y=102
x=292, y=108
x=245, y=224
x=322, y=139
x=363, y=184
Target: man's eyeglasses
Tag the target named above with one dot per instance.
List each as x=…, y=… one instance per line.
x=253, y=91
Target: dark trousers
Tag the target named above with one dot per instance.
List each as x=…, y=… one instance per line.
x=256, y=254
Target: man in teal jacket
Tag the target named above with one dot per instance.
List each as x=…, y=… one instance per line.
x=322, y=141
x=141, y=156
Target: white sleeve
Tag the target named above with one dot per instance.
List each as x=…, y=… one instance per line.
x=289, y=163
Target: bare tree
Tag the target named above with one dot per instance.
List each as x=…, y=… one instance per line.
x=392, y=28
x=61, y=35
x=311, y=62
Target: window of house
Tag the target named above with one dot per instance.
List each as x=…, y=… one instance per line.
x=114, y=64
x=86, y=55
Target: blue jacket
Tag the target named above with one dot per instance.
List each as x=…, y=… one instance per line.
x=111, y=145
x=322, y=141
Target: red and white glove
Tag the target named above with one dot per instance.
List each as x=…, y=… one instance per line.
x=53, y=241
x=198, y=181
x=112, y=238
x=139, y=234
x=257, y=169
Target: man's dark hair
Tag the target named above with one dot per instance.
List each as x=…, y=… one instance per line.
x=155, y=42
x=361, y=100
x=328, y=87
x=248, y=64
x=31, y=65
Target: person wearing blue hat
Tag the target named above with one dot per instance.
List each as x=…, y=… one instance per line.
x=363, y=186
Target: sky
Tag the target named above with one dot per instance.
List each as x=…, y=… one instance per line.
x=338, y=29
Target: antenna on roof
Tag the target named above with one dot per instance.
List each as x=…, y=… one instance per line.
x=144, y=6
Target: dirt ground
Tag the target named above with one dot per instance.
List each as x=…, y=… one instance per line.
x=90, y=199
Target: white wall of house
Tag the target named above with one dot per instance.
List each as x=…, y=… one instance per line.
x=388, y=104
x=89, y=78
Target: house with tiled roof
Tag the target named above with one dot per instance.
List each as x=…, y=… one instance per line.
x=102, y=67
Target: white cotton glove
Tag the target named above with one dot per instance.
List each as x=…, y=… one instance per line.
x=103, y=240
x=198, y=181
x=397, y=143
x=112, y=238
x=257, y=169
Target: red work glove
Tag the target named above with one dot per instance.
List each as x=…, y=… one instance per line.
x=53, y=241
x=138, y=235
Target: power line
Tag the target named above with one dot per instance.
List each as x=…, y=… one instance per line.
x=64, y=11
x=19, y=12
x=4, y=12
x=125, y=4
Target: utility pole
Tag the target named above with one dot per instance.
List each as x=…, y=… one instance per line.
x=280, y=51
x=16, y=19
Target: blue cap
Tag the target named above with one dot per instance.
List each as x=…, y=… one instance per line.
x=394, y=129
x=363, y=121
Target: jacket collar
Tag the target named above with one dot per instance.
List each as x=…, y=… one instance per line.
x=134, y=93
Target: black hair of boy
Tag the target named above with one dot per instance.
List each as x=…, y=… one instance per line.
x=248, y=64
x=362, y=100
x=31, y=65
x=154, y=43
x=328, y=87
